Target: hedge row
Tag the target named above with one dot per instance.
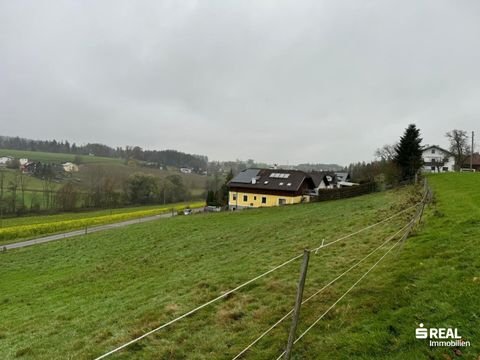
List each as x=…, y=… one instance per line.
x=28, y=231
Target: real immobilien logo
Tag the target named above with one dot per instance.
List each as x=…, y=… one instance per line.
x=441, y=336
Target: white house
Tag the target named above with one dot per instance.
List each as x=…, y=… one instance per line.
x=186, y=170
x=436, y=159
x=4, y=160
x=23, y=161
x=70, y=167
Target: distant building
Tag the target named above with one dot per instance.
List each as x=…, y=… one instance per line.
x=253, y=188
x=475, y=162
x=342, y=176
x=186, y=170
x=437, y=160
x=70, y=167
x=324, y=180
x=4, y=160
x=31, y=167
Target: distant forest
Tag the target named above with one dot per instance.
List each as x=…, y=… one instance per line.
x=161, y=158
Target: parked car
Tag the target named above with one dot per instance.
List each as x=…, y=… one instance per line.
x=211, y=208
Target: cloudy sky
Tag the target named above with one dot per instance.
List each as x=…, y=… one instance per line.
x=276, y=81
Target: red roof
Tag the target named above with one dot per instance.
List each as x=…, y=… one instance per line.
x=476, y=159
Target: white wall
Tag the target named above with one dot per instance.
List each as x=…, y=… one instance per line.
x=437, y=155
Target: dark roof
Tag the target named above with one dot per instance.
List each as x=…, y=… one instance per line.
x=476, y=160
x=318, y=176
x=343, y=175
x=272, y=179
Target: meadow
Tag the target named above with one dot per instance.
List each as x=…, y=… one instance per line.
x=81, y=297
x=91, y=168
x=15, y=229
x=57, y=157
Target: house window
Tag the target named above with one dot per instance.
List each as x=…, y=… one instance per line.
x=282, y=201
x=433, y=151
x=445, y=168
x=254, y=198
x=264, y=199
x=234, y=197
x=432, y=168
x=433, y=160
x=245, y=198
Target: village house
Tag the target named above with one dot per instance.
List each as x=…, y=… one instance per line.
x=253, y=188
x=4, y=160
x=323, y=180
x=475, y=162
x=70, y=167
x=186, y=170
x=437, y=160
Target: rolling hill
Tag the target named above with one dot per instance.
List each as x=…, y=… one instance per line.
x=82, y=297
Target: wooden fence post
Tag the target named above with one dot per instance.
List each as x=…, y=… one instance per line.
x=298, y=303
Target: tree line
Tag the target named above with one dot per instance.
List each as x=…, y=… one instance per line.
x=160, y=158
x=102, y=191
x=401, y=161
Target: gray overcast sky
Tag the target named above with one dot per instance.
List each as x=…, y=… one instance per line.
x=276, y=81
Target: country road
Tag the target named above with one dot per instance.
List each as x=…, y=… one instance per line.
x=89, y=230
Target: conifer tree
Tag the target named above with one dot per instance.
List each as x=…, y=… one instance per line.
x=408, y=155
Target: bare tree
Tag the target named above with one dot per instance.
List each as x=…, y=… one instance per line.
x=66, y=197
x=2, y=182
x=48, y=191
x=439, y=164
x=458, y=146
x=13, y=186
x=23, y=182
x=386, y=152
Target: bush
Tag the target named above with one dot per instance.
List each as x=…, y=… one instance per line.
x=28, y=231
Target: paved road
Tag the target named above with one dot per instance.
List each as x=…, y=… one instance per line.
x=89, y=230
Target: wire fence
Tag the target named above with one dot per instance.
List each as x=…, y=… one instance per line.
x=404, y=231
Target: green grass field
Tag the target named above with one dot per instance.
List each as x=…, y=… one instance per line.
x=81, y=297
x=57, y=157
x=20, y=228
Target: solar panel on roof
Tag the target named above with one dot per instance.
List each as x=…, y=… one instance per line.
x=246, y=176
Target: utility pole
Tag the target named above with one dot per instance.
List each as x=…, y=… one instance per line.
x=471, y=152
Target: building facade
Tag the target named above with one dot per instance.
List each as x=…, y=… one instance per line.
x=437, y=160
x=253, y=188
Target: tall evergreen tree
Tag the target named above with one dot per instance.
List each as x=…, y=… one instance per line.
x=408, y=155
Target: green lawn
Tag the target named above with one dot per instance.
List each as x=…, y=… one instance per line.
x=56, y=157
x=81, y=297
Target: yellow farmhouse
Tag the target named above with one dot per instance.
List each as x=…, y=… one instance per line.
x=254, y=188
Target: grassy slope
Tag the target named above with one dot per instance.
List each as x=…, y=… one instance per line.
x=56, y=157
x=30, y=181
x=81, y=297
x=45, y=219
x=36, y=226
x=434, y=279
